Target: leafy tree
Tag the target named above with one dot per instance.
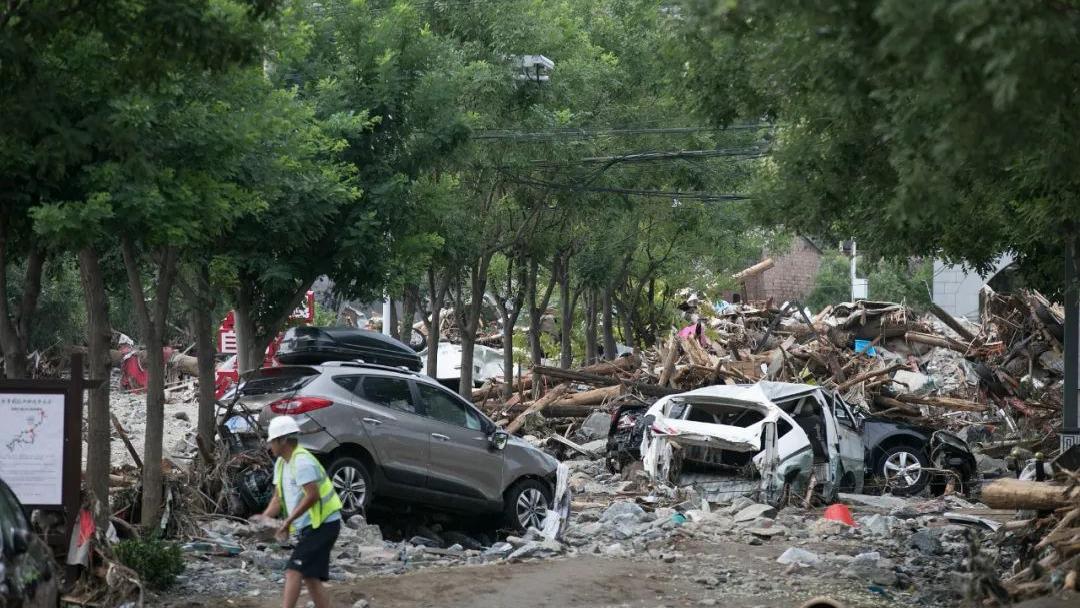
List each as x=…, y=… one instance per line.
x=76, y=82
x=910, y=125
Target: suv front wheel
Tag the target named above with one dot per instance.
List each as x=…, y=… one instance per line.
x=527, y=502
x=352, y=482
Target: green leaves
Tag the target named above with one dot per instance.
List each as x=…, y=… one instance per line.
x=909, y=124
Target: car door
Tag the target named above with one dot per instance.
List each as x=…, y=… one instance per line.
x=849, y=442
x=400, y=436
x=462, y=459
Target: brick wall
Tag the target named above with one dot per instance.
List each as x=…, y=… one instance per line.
x=791, y=277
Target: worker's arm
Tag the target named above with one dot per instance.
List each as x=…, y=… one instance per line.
x=274, y=508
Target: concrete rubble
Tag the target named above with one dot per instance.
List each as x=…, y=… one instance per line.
x=901, y=548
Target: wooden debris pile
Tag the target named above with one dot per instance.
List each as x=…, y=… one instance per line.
x=881, y=356
x=1047, y=530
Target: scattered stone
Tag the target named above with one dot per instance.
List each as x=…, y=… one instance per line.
x=768, y=532
x=360, y=604
x=182, y=416
x=795, y=555
x=424, y=542
x=872, y=568
x=623, y=509
x=754, y=511
x=499, y=550
x=527, y=550
x=878, y=525
x=926, y=542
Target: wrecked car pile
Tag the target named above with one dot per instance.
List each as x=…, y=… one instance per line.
x=996, y=386
x=702, y=443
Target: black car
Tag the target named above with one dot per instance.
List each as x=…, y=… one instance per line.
x=907, y=457
x=28, y=576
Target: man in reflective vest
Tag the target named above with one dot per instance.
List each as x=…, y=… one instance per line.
x=305, y=496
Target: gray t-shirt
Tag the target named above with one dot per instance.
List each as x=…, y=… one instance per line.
x=307, y=471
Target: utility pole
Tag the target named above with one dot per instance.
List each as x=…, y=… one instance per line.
x=1070, y=420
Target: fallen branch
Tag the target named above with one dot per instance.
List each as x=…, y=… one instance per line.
x=868, y=375
x=536, y=406
x=127, y=442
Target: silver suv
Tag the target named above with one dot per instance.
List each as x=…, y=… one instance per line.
x=389, y=432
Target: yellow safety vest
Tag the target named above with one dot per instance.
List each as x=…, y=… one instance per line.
x=328, y=503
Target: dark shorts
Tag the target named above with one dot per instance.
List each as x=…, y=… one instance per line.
x=311, y=555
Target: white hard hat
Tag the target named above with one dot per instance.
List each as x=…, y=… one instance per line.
x=282, y=426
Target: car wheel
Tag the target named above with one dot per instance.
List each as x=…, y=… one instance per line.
x=352, y=482
x=526, y=505
x=904, y=470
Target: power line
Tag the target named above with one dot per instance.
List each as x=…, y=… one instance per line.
x=673, y=194
x=638, y=157
x=589, y=133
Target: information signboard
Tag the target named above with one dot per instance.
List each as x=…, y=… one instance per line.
x=32, y=446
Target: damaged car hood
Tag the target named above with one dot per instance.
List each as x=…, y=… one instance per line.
x=724, y=436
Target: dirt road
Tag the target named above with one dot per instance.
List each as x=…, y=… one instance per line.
x=732, y=575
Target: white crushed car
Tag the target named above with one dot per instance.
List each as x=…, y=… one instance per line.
x=765, y=440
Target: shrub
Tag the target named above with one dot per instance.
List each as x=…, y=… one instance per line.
x=156, y=561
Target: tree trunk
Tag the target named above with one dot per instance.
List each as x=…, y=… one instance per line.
x=468, y=349
x=566, y=358
x=626, y=322
x=246, y=349
x=202, y=310
x=608, y=330
x=98, y=337
x=437, y=288
x=590, y=326
x=15, y=326
x=508, y=358
x=538, y=304
x=469, y=320
x=409, y=302
x=395, y=328
x=152, y=320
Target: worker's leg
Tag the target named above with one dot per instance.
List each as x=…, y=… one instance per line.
x=292, y=588
x=317, y=592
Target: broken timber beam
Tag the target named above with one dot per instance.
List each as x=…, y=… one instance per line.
x=932, y=340
x=951, y=321
x=569, y=411
x=756, y=269
x=1007, y=493
x=949, y=403
x=651, y=390
x=868, y=375
x=621, y=364
x=536, y=406
x=597, y=396
x=668, y=369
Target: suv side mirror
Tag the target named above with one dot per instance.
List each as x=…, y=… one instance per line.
x=499, y=439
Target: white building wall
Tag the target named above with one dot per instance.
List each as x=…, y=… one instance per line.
x=957, y=291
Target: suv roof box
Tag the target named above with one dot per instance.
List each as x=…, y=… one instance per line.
x=314, y=345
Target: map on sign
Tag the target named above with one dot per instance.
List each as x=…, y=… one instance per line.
x=32, y=446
